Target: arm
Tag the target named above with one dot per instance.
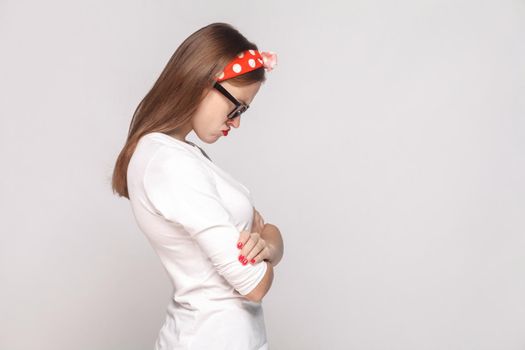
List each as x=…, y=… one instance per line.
x=183, y=191
x=274, y=240
x=264, y=286
x=271, y=235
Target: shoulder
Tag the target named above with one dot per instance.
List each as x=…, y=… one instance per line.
x=157, y=140
x=171, y=163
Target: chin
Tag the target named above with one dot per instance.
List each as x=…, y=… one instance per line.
x=211, y=139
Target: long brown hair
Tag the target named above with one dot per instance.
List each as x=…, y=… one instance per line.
x=181, y=87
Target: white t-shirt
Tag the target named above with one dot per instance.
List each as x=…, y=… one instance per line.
x=192, y=213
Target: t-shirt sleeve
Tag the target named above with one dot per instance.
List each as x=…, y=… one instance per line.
x=183, y=190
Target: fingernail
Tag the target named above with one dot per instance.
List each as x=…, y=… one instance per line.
x=241, y=257
x=239, y=245
x=252, y=261
x=245, y=261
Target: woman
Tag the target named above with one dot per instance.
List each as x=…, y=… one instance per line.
x=216, y=248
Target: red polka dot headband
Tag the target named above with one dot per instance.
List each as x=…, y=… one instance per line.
x=247, y=61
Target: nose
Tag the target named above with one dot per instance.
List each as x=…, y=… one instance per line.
x=235, y=122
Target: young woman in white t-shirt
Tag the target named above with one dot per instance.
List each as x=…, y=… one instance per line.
x=216, y=247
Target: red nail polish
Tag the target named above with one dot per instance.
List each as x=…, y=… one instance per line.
x=241, y=258
x=252, y=261
x=239, y=245
x=245, y=261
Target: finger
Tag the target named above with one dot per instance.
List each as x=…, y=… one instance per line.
x=259, y=246
x=250, y=243
x=263, y=254
x=243, y=237
x=248, y=246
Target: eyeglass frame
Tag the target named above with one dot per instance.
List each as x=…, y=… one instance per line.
x=239, y=106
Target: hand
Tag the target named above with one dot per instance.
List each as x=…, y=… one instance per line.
x=254, y=248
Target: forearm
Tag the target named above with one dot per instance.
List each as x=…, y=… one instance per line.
x=274, y=240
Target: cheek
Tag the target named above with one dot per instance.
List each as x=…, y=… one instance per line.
x=209, y=120
x=217, y=116
x=218, y=106
x=211, y=113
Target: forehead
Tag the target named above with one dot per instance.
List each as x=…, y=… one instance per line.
x=245, y=94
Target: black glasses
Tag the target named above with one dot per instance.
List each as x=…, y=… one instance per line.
x=240, y=107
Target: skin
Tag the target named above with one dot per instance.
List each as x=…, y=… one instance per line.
x=263, y=242
x=210, y=117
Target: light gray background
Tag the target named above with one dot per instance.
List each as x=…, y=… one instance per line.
x=387, y=146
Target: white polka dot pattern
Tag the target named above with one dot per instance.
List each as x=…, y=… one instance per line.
x=237, y=68
x=245, y=62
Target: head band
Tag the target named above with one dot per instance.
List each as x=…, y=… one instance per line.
x=247, y=61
